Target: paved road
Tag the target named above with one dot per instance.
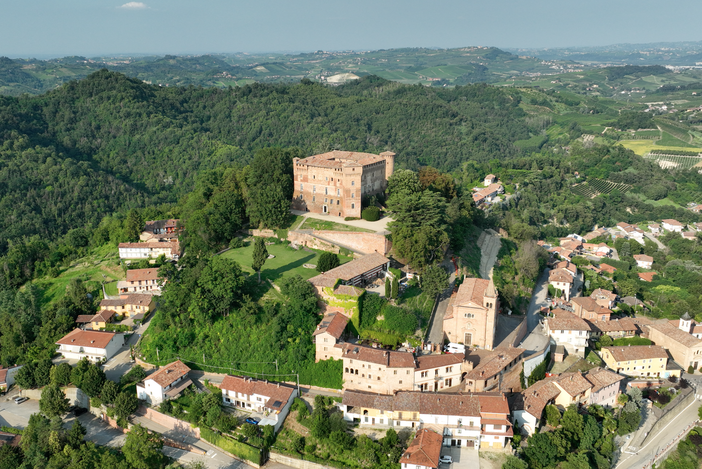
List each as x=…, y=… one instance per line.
x=661, y=246
x=380, y=226
x=536, y=338
x=436, y=328
x=122, y=361
x=490, y=245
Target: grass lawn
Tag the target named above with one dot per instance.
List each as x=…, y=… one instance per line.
x=641, y=147
x=632, y=341
x=316, y=224
x=416, y=300
x=287, y=261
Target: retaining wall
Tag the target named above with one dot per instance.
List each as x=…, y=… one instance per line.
x=75, y=396
x=533, y=361
x=294, y=462
x=365, y=243
x=184, y=428
x=310, y=241
x=672, y=410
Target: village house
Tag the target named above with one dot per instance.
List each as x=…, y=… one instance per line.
x=487, y=194
x=327, y=335
x=568, y=330
x=696, y=208
x=166, y=383
x=337, y=181
x=355, y=273
x=568, y=266
x=672, y=225
x=150, y=250
x=655, y=229
x=685, y=348
x=639, y=360
x=604, y=298
x=93, y=345
x=608, y=268
x=562, y=280
x=616, y=329
x=161, y=230
x=140, y=281
x=129, y=305
x=643, y=261
x=7, y=377
x=385, y=371
x=465, y=420
x=595, y=234
x=489, y=179
x=689, y=235
x=271, y=399
x=493, y=371
x=101, y=319
x=697, y=226
x=587, y=308
x=472, y=314
x=424, y=452
x=571, y=244
x=606, y=387
x=647, y=276
x=599, y=250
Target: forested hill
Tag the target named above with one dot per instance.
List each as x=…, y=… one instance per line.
x=109, y=142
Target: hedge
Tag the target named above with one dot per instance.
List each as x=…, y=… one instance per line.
x=13, y=430
x=237, y=448
x=371, y=214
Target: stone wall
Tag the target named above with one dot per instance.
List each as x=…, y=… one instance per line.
x=305, y=239
x=365, y=243
x=294, y=462
x=75, y=396
x=183, y=428
x=263, y=233
x=684, y=398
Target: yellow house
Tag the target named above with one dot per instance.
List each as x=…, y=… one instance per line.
x=129, y=305
x=639, y=360
x=100, y=320
x=574, y=388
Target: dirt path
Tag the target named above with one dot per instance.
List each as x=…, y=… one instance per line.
x=489, y=244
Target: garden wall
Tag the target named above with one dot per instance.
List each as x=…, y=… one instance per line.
x=533, y=360
x=672, y=410
x=294, y=462
x=301, y=238
x=183, y=428
x=365, y=243
x=75, y=396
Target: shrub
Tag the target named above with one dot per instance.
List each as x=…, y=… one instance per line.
x=236, y=448
x=327, y=261
x=400, y=320
x=351, y=218
x=690, y=370
x=371, y=214
x=236, y=243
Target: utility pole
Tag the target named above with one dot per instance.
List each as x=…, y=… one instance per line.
x=158, y=357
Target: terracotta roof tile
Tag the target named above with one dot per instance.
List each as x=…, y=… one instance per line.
x=472, y=290
x=137, y=299
x=278, y=394
x=425, y=449
x=169, y=373
x=350, y=270
x=492, y=364
x=333, y=324
x=678, y=335
x=566, y=321
x=560, y=275
x=425, y=362
x=135, y=275
x=601, y=378
x=647, y=276
x=81, y=338
x=388, y=358
x=637, y=352
x=573, y=383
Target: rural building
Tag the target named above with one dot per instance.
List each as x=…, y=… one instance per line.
x=689, y=235
x=438, y=372
x=489, y=179
x=685, y=348
x=472, y=314
x=562, y=280
x=606, y=387
x=487, y=194
x=587, y=308
x=272, y=400
x=643, y=261
x=655, y=229
x=129, y=305
x=647, y=276
x=150, y=250
x=608, y=268
x=424, y=451
x=7, y=377
x=604, y=298
x=140, y=281
x=166, y=383
x=93, y=345
x=466, y=420
x=161, y=230
x=356, y=273
x=328, y=335
x=568, y=330
x=101, y=319
x=639, y=360
x=496, y=371
x=335, y=182
x=672, y=225
x=616, y=329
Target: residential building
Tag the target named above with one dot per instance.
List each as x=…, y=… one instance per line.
x=166, y=383
x=562, y=280
x=568, y=330
x=161, y=230
x=528, y=406
x=496, y=371
x=568, y=266
x=696, y=226
x=424, y=451
x=639, y=360
x=599, y=250
x=96, y=346
x=129, y=305
x=7, y=377
x=604, y=298
x=101, y=319
x=606, y=387
x=272, y=400
x=575, y=389
x=335, y=182
x=689, y=235
x=487, y=194
x=149, y=250
x=356, y=272
x=608, y=268
x=616, y=329
x=696, y=208
x=685, y=348
x=465, y=420
x=385, y=371
x=655, y=229
x=140, y=281
x=672, y=225
x=587, y=308
x=327, y=335
x=647, y=276
x=472, y=314
x=489, y=179
x=643, y=261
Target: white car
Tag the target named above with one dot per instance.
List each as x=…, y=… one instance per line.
x=446, y=459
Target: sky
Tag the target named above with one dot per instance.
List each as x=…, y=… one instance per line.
x=56, y=28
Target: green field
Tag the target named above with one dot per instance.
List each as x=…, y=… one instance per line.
x=316, y=224
x=287, y=261
x=641, y=147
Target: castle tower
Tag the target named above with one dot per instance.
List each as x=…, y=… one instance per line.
x=490, y=302
x=389, y=163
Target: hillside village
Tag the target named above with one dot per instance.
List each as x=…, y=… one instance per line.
x=493, y=379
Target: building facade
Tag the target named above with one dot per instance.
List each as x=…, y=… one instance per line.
x=168, y=382
x=328, y=335
x=272, y=400
x=639, y=360
x=568, y=330
x=93, y=345
x=472, y=315
x=335, y=182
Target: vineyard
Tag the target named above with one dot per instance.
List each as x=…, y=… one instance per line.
x=594, y=187
x=674, y=160
x=674, y=130
x=646, y=135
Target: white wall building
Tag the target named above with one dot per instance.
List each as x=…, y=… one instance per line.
x=672, y=225
x=168, y=382
x=272, y=400
x=568, y=330
x=96, y=346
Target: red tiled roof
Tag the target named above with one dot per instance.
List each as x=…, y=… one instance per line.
x=351, y=269
x=495, y=362
x=337, y=159
x=643, y=258
x=472, y=290
x=333, y=324
x=670, y=221
x=601, y=378
x=425, y=362
x=637, y=352
x=278, y=394
x=81, y=338
x=139, y=299
x=425, y=449
x=389, y=358
x=607, y=268
x=84, y=318
x=647, y=276
x=135, y=275
x=103, y=316
x=566, y=321
x=561, y=276
x=169, y=373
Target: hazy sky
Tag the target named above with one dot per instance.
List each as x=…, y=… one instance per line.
x=40, y=28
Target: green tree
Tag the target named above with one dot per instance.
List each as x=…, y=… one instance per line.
x=142, y=449
x=133, y=225
x=270, y=186
x=591, y=433
x=53, y=402
x=513, y=462
x=394, y=288
x=320, y=427
x=25, y=376
x=11, y=457
x=126, y=403
x=78, y=371
x=553, y=416
x=109, y=393
x=260, y=254
x=42, y=373
x=628, y=287
x=75, y=434
x=540, y=452
x=93, y=380
x=388, y=291
x=61, y=374
x=298, y=444
x=327, y=261
x=403, y=182
x=434, y=280
x=134, y=375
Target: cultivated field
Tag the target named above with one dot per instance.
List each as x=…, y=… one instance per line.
x=594, y=187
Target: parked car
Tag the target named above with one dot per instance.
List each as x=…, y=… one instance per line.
x=19, y=399
x=446, y=459
x=252, y=421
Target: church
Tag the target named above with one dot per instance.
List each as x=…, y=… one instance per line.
x=472, y=315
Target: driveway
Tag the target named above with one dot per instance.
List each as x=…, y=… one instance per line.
x=536, y=339
x=121, y=363
x=661, y=246
x=436, y=328
x=463, y=458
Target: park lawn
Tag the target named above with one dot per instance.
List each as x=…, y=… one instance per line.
x=287, y=261
x=316, y=224
x=90, y=270
x=641, y=147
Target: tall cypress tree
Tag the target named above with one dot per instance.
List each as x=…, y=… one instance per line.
x=260, y=254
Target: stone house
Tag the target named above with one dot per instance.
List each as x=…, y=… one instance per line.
x=616, y=329
x=328, y=335
x=489, y=179
x=472, y=314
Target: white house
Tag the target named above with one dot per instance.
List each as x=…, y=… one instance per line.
x=96, y=346
x=489, y=179
x=568, y=330
x=643, y=261
x=672, y=225
x=561, y=280
x=149, y=250
x=168, y=382
x=272, y=400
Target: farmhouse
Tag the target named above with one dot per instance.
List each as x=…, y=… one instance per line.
x=93, y=345
x=327, y=335
x=487, y=194
x=168, y=382
x=161, y=230
x=689, y=235
x=472, y=314
x=140, y=281
x=672, y=225
x=101, y=319
x=149, y=250
x=335, y=182
x=129, y=305
x=273, y=400
x=643, y=261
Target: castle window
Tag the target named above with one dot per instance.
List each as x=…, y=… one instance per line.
x=353, y=183
x=326, y=191
x=301, y=187
x=353, y=206
x=337, y=202
x=314, y=189
x=338, y=192
x=353, y=195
